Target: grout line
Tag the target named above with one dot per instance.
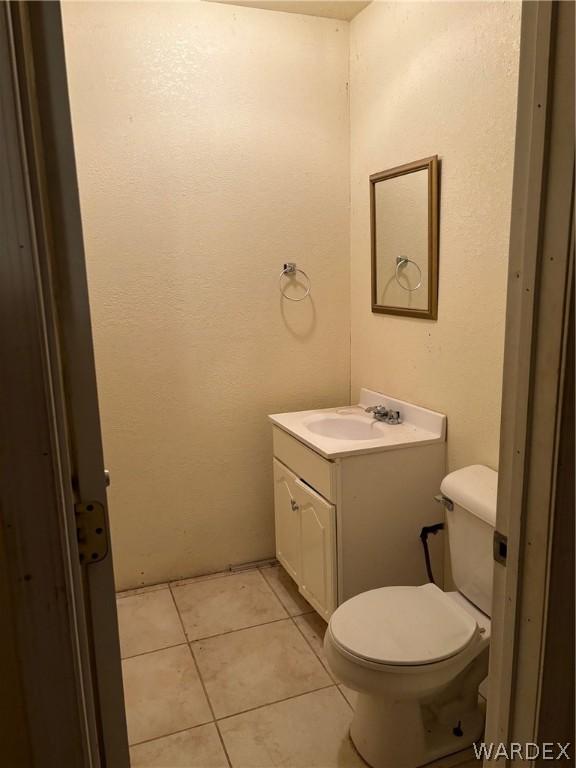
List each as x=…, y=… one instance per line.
x=343, y=696
x=172, y=733
x=201, y=679
x=155, y=650
x=273, y=592
x=240, y=629
x=277, y=701
x=267, y=562
x=320, y=659
x=194, y=661
x=230, y=571
x=337, y=682
x=269, y=583
x=223, y=744
x=199, y=579
x=137, y=591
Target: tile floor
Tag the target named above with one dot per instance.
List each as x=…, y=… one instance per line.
x=228, y=671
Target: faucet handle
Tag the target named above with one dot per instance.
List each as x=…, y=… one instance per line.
x=382, y=413
x=379, y=409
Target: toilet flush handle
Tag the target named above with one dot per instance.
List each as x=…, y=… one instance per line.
x=445, y=501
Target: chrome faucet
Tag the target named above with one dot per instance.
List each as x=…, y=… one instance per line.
x=381, y=413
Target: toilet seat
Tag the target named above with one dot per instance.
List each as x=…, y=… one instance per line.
x=402, y=626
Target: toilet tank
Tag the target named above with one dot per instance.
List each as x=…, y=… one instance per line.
x=471, y=522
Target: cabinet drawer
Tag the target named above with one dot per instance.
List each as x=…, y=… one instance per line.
x=305, y=463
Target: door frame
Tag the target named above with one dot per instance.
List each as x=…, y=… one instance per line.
x=41, y=578
x=54, y=432
x=65, y=612
x=532, y=488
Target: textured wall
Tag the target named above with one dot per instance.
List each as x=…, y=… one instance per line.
x=425, y=79
x=212, y=145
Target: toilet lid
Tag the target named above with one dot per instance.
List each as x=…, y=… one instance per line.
x=402, y=625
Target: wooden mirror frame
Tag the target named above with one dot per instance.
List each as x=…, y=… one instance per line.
x=431, y=165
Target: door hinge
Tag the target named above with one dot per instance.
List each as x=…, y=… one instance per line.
x=500, y=547
x=91, y=531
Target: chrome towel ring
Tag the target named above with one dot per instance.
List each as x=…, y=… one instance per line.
x=291, y=270
x=401, y=261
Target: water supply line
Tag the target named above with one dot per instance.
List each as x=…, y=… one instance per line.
x=424, y=533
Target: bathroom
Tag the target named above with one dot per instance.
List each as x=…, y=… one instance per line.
x=216, y=143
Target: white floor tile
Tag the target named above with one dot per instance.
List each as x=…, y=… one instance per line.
x=309, y=731
x=257, y=666
x=225, y=604
x=163, y=694
x=148, y=622
x=198, y=747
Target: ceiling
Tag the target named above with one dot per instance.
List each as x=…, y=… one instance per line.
x=331, y=9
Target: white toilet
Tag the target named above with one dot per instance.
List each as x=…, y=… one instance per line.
x=416, y=655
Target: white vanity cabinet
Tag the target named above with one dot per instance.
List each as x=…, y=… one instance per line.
x=348, y=514
x=306, y=538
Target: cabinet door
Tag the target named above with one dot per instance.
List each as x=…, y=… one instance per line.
x=317, y=549
x=287, y=518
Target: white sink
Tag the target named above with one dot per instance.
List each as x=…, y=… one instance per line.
x=348, y=430
x=345, y=426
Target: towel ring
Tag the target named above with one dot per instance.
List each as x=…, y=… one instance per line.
x=290, y=268
x=402, y=261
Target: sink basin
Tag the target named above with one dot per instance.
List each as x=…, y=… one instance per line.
x=345, y=427
x=349, y=430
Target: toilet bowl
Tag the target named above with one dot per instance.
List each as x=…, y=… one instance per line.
x=416, y=655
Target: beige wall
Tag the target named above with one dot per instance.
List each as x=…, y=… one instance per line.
x=214, y=143
x=212, y=146
x=425, y=79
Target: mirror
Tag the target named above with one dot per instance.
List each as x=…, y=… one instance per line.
x=404, y=230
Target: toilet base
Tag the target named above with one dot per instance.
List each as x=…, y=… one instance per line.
x=410, y=733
